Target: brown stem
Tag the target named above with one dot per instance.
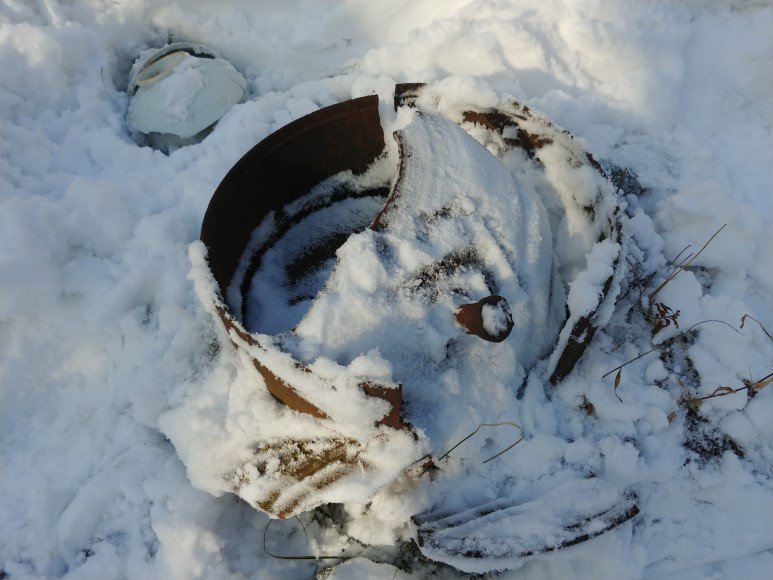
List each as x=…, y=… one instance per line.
x=686, y=262
x=668, y=342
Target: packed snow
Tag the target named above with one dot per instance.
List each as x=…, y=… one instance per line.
x=123, y=407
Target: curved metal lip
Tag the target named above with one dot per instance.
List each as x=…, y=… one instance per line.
x=191, y=48
x=348, y=136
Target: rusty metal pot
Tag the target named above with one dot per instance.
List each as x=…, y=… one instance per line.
x=283, y=168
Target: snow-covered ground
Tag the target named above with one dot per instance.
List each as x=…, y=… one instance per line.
x=107, y=352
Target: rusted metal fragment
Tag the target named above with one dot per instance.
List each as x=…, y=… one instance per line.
x=297, y=467
x=278, y=388
x=584, y=328
x=583, y=332
x=406, y=94
x=498, y=121
x=380, y=222
x=470, y=317
x=394, y=397
x=280, y=170
x=507, y=124
x=230, y=324
x=290, y=501
x=306, y=458
x=286, y=394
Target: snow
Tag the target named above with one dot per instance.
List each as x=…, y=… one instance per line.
x=121, y=406
x=494, y=318
x=453, y=197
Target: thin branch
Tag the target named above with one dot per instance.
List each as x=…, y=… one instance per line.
x=668, y=342
x=277, y=556
x=730, y=326
x=748, y=386
x=642, y=355
x=447, y=453
x=687, y=247
x=765, y=330
x=104, y=85
x=677, y=266
x=686, y=262
x=719, y=392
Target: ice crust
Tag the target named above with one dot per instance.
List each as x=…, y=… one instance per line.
x=107, y=353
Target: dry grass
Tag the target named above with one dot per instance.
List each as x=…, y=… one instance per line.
x=681, y=266
x=661, y=316
x=750, y=386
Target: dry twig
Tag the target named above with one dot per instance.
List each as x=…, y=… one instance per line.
x=508, y=448
x=751, y=388
x=663, y=317
x=686, y=262
x=750, y=317
x=279, y=557
x=667, y=343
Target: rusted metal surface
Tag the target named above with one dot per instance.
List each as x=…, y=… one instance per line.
x=285, y=165
x=392, y=396
x=276, y=172
x=314, y=463
x=278, y=388
x=470, y=317
x=583, y=329
x=498, y=121
x=380, y=220
x=406, y=94
x=281, y=169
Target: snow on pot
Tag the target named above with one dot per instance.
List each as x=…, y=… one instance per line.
x=180, y=91
x=379, y=295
